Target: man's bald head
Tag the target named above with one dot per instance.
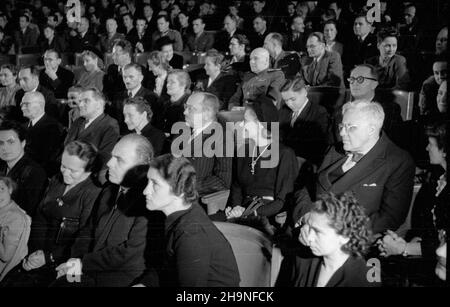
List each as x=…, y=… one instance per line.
x=33, y=105
x=259, y=60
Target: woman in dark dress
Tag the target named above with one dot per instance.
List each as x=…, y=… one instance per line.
x=198, y=254
x=430, y=214
x=338, y=236
x=138, y=116
x=178, y=89
x=264, y=170
x=61, y=215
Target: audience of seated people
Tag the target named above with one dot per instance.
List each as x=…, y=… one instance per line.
x=259, y=75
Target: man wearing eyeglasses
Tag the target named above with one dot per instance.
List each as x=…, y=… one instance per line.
x=54, y=76
x=323, y=68
x=363, y=83
x=368, y=163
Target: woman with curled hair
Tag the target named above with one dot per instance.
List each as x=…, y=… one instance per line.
x=198, y=255
x=338, y=237
x=62, y=216
x=219, y=83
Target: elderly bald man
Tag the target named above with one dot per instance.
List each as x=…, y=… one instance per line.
x=262, y=81
x=44, y=133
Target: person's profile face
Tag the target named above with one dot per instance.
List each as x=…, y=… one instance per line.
x=6, y=77
x=158, y=193
x=322, y=238
x=258, y=62
x=440, y=72
x=441, y=41
x=123, y=159
x=90, y=63
x=298, y=25
x=269, y=45
x=211, y=68
x=436, y=154
x=441, y=98
x=193, y=112
x=5, y=194
x=11, y=148
x=27, y=80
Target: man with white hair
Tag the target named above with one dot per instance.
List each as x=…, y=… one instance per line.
x=368, y=163
x=266, y=82
x=44, y=133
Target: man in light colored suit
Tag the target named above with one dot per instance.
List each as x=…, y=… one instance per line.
x=322, y=68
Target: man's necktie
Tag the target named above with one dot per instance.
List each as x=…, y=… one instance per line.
x=294, y=118
x=130, y=94
x=356, y=156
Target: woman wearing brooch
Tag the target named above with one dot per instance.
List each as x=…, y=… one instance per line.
x=264, y=170
x=61, y=218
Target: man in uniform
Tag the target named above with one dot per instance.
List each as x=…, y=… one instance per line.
x=262, y=80
x=289, y=63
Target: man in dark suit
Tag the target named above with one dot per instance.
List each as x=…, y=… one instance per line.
x=363, y=44
x=223, y=38
x=322, y=68
x=93, y=125
x=303, y=124
x=380, y=174
x=44, y=133
x=260, y=31
x=84, y=38
x=133, y=77
x=55, y=77
x=297, y=38
x=113, y=81
x=26, y=37
x=29, y=82
x=29, y=176
x=213, y=171
x=115, y=256
x=140, y=37
x=199, y=41
x=289, y=63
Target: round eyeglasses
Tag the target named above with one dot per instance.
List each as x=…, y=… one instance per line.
x=359, y=79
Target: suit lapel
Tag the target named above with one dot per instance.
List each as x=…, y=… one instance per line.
x=374, y=159
x=92, y=126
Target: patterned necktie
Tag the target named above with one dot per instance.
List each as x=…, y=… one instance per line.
x=356, y=156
